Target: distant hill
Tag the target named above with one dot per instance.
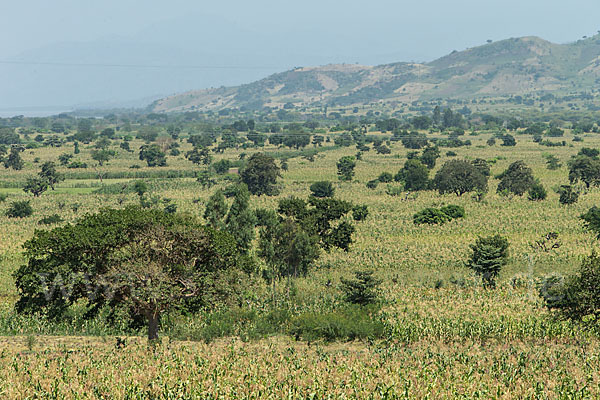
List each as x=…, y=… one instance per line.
x=517, y=66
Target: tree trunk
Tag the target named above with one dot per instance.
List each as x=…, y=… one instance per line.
x=152, y=326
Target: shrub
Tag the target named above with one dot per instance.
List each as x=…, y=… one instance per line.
x=567, y=195
x=360, y=212
x=322, y=189
x=361, y=290
x=50, y=219
x=592, y=220
x=537, y=192
x=489, y=255
x=385, y=177
x=430, y=216
x=578, y=297
x=372, y=184
x=3, y=197
x=19, y=209
x=453, y=211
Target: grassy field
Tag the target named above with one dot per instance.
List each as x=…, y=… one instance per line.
x=446, y=337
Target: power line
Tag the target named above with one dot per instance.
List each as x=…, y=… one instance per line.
x=148, y=66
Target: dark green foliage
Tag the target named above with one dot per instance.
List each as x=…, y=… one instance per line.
x=49, y=174
x=592, y=220
x=50, y=220
x=553, y=162
x=413, y=140
x=222, y=166
x=482, y=165
x=585, y=169
x=459, y=177
x=65, y=158
x=322, y=189
x=372, y=184
x=568, y=195
x=215, y=210
x=260, y=175
x=414, y=175
x=143, y=262
x=517, y=179
x=19, y=209
x=3, y=197
x=429, y=156
x=537, y=192
x=508, y=140
x=205, y=179
x=14, y=159
x=199, y=156
x=453, y=211
x=360, y=212
x=36, y=186
x=153, y=155
x=140, y=188
x=385, y=177
x=430, y=216
x=589, y=152
x=345, y=168
x=577, y=297
x=350, y=323
x=8, y=136
x=361, y=290
x=489, y=255
x=240, y=220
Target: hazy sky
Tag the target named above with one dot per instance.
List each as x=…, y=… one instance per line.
x=270, y=34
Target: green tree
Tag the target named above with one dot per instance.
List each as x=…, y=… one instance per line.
x=19, y=209
x=14, y=159
x=458, y=176
x=322, y=189
x=568, y=195
x=215, y=210
x=199, y=156
x=36, y=186
x=240, y=220
x=345, y=168
x=577, y=297
x=430, y=156
x=592, y=220
x=49, y=174
x=146, y=262
x=537, y=192
x=153, y=155
x=361, y=290
x=489, y=255
x=517, y=179
x=414, y=175
x=260, y=175
x=585, y=169
x=102, y=156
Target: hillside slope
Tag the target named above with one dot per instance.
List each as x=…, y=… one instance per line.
x=517, y=66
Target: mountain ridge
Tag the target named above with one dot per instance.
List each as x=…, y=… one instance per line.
x=516, y=66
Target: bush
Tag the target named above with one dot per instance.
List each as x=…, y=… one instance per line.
x=50, y=219
x=385, y=177
x=360, y=213
x=537, y=192
x=489, y=255
x=578, y=297
x=592, y=220
x=19, y=209
x=361, y=290
x=372, y=184
x=322, y=189
x=453, y=211
x=350, y=323
x=567, y=195
x=3, y=197
x=432, y=216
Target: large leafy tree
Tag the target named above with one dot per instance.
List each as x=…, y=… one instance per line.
x=457, y=176
x=414, y=174
x=517, y=179
x=145, y=261
x=585, y=169
x=153, y=155
x=345, y=168
x=260, y=175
